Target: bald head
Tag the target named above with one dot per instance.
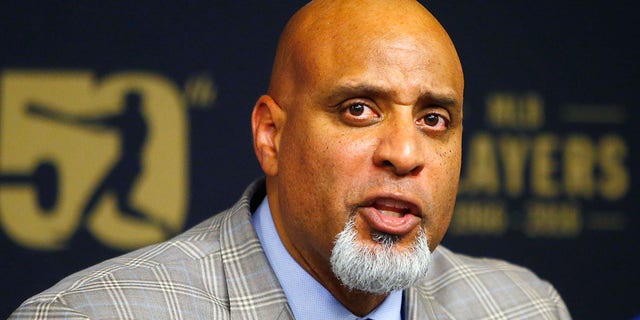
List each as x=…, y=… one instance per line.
x=340, y=32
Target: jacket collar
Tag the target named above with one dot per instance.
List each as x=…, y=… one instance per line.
x=254, y=291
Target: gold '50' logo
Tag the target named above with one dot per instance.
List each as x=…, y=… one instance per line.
x=106, y=154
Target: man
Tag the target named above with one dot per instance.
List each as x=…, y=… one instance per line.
x=360, y=141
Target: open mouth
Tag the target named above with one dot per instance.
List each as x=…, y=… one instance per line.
x=391, y=216
x=393, y=208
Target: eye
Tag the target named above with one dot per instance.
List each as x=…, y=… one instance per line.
x=434, y=122
x=356, y=110
x=358, y=113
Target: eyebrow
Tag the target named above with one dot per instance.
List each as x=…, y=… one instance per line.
x=348, y=90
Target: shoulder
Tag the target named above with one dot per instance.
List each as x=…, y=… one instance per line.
x=467, y=287
x=181, y=275
x=184, y=277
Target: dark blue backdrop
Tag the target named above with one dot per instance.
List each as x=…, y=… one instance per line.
x=576, y=61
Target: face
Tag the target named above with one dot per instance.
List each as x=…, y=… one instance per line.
x=369, y=132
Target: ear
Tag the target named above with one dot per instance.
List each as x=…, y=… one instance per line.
x=267, y=121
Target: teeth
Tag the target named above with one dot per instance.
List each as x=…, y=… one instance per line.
x=391, y=213
x=392, y=205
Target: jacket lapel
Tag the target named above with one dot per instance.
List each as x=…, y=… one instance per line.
x=419, y=300
x=254, y=290
x=418, y=305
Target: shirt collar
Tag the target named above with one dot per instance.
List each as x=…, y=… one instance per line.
x=307, y=298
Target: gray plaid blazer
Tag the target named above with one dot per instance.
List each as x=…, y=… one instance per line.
x=217, y=270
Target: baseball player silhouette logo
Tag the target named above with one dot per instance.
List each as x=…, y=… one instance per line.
x=84, y=157
x=122, y=177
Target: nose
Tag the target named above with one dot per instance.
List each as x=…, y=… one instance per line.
x=401, y=148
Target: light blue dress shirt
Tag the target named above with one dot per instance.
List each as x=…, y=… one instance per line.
x=307, y=298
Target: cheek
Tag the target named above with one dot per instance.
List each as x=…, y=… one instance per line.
x=444, y=188
x=317, y=172
x=327, y=156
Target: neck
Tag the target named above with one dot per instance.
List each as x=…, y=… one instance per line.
x=358, y=302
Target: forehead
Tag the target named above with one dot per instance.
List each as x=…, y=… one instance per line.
x=406, y=65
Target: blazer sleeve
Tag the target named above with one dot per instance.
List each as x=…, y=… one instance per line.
x=562, y=311
x=46, y=310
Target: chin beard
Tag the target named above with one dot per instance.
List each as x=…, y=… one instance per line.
x=381, y=268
